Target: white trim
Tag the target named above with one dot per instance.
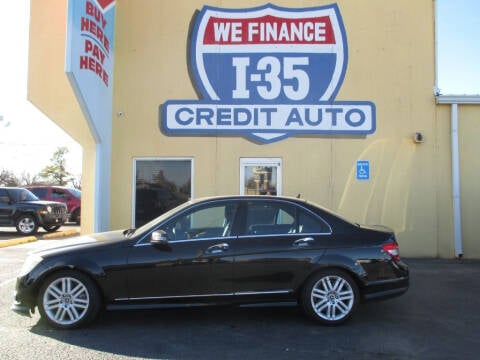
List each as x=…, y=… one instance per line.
x=260, y=162
x=458, y=99
x=241, y=293
x=102, y=192
x=134, y=177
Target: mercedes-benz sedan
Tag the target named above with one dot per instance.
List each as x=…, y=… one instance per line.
x=223, y=250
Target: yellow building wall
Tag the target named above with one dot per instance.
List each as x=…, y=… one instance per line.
x=390, y=62
x=443, y=173
x=391, y=57
x=49, y=89
x=469, y=149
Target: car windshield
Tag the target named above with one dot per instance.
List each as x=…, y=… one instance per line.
x=18, y=195
x=75, y=192
x=157, y=220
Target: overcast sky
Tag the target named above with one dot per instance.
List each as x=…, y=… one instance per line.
x=27, y=137
x=458, y=46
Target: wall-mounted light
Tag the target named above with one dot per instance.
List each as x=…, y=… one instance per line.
x=418, y=138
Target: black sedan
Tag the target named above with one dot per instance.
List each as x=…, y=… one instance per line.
x=223, y=250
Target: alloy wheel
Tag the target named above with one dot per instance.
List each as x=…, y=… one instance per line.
x=26, y=225
x=332, y=298
x=66, y=301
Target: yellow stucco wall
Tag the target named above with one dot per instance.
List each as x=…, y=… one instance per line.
x=443, y=183
x=468, y=130
x=50, y=91
x=391, y=63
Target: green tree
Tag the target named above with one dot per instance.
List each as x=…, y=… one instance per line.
x=56, y=173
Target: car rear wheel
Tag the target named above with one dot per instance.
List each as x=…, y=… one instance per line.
x=51, y=228
x=68, y=300
x=27, y=225
x=330, y=297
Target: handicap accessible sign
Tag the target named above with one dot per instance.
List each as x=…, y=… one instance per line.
x=363, y=170
x=268, y=73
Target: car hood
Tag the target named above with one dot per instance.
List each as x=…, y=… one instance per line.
x=40, y=203
x=85, y=242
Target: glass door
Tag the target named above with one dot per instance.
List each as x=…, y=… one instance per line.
x=260, y=176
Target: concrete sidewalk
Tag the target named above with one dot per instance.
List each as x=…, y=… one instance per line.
x=27, y=239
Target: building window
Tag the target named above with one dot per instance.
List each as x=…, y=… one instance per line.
x=160, y=185
x=260, y=176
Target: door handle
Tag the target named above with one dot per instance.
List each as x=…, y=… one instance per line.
x=218, y=248
x=303, y=242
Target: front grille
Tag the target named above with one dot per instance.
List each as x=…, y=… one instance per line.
x=59, y=210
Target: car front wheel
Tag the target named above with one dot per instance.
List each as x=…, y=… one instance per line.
x=51, y=228
x=68, y=300
x=330, y=297
x=76, y=216
x=27, y=225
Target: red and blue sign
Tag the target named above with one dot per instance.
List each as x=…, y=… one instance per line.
x=268, y=73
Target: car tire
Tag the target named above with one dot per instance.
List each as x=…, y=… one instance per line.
x=330, y=297
x=76, y=216
x=51, y=228
x=68, y=299
x=27, y=224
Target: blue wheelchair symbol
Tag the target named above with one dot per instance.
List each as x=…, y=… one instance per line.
x=363, y=170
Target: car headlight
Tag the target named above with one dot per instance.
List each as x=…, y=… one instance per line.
x=46, y=210
x=30, y=262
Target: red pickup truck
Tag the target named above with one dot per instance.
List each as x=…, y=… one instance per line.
x=69, y=196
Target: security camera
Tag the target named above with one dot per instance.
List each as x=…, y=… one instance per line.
x=418, y=137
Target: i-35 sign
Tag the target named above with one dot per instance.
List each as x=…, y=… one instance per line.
x=268, y=73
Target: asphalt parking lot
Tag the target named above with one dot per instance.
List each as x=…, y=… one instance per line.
x=438, y=318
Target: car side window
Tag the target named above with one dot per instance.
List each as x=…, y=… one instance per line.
x=307, y=223
x=207, y=222
x=4, y=198
x=40, y=192
x=269, y=218
x=58, y=194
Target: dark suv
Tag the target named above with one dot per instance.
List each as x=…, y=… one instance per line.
x=69, y=196
x=22, y=209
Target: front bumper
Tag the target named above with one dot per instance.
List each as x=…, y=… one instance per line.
x=23, y=299
x=21, y=309
x=53, y=219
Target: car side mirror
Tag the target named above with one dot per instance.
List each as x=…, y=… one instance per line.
x=160, y=239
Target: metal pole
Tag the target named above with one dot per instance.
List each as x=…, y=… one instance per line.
x=457, y=219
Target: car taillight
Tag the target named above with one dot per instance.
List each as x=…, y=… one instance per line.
x=392, y=250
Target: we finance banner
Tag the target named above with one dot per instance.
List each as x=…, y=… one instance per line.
x=268, y=73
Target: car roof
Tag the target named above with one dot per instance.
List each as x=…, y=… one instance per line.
x=300, y=201
x=246, y=197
